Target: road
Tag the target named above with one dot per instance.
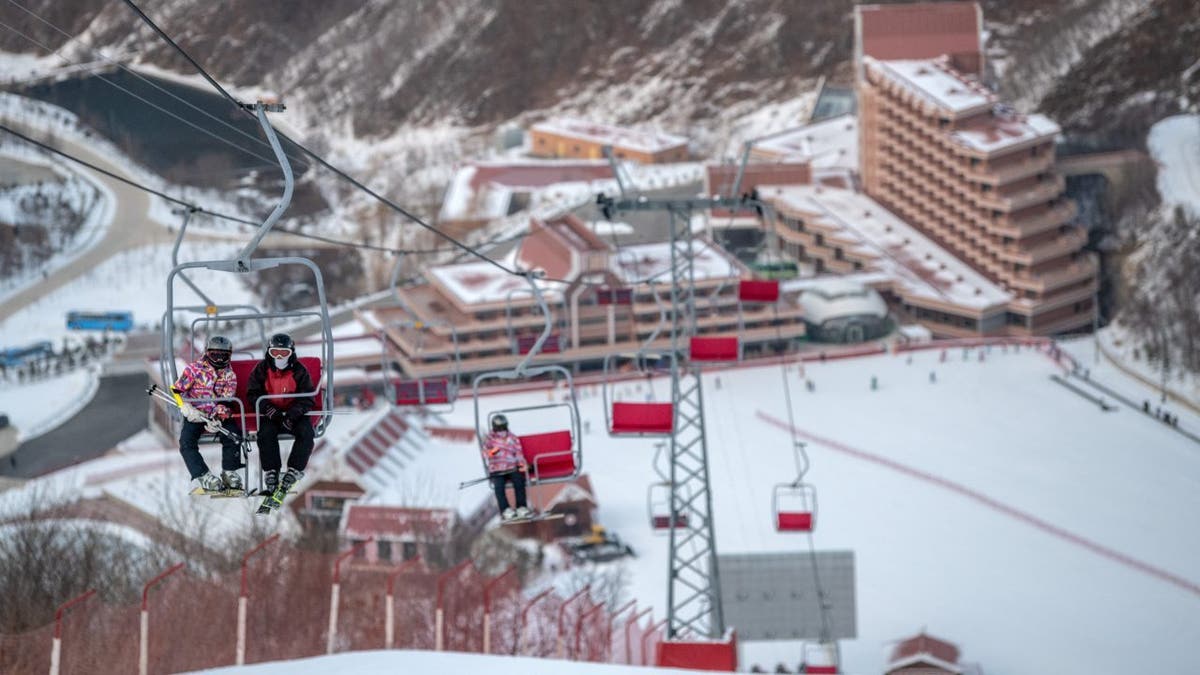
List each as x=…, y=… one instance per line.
x=117, y=412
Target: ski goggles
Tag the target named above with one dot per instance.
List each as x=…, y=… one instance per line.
x=279, y=352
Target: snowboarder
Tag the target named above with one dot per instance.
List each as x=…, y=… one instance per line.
x=210, y=377
x=506, y=464
x=276, y=389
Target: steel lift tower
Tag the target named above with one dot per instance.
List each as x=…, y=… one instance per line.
x=694, y=583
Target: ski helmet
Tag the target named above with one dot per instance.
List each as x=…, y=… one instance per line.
x=281, y=348
x=218, y=350
x=499, y=423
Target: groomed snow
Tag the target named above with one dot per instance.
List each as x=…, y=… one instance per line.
x=407, y=661
x=41, y=406
x=994, y=507
x=1175, y=144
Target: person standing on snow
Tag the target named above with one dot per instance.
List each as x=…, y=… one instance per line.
x=506, y=464
x=210, y=377
x=271, y=389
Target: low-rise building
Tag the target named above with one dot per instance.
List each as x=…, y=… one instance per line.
x=398, y=533
x=572, y=138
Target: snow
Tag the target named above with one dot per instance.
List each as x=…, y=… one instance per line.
x=41, y=406
x=907, y=256
x=636, y=263
x=828, y=144
x=133, y=280
x=1006, y=130
x=1175, y=144
x=936, y=82
x=388, y=662
x=92, y=230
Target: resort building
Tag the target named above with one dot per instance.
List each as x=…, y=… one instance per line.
x=599, y=296
x=939, y=150
x=579, y=139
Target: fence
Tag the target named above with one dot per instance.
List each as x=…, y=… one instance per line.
x=287, y=603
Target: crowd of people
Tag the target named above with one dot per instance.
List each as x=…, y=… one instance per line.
x=53, y=363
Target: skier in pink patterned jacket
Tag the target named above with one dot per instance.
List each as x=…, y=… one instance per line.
x=207, y=378
x=506, y=464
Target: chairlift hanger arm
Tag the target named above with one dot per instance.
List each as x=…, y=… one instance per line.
x=289, y=182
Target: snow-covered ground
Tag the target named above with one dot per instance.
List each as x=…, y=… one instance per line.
x=388, y=662
x=136, y=281
x=994, y=507
x=1175, y=144
x=41, y=406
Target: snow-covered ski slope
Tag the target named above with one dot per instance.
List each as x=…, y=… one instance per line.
x=448, y=663
x=994, y=507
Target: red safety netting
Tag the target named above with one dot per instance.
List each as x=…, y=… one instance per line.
x=192, y=618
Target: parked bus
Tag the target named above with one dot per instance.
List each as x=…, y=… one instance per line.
x=115, y=321
x=15, y=356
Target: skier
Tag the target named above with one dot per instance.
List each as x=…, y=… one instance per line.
x=505, y=463
x=210, y=377
x=271, y=389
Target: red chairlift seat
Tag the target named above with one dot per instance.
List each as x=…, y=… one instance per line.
x=714, y=349
x=249, y=419
x=642, y=418
x=550, y=455
x=550, y=346
x=758, y=290
x=795, y=507
x=436, y=391
x=820, y=657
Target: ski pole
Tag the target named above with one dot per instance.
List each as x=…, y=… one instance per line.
x=177, y=401
x=469, y=483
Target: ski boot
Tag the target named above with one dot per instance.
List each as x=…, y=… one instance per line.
x=508, y=514
x=524, y=513
x=208, y=484
x=233, y=482
x=274, y=499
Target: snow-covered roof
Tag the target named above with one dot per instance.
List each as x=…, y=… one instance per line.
x=913, y=260
x=937, y=82
x=478, y=283
x=636, y=263
x=827, y=298
x=826, y=144
x=623, y=137
x=484, y=190
x=391, y=522
x=1005, y=129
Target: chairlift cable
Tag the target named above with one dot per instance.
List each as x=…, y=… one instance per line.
x=151, y=83
x=317, y=158
x=140, y=98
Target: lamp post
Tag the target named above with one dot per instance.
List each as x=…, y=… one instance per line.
x=389, y=619
x=144, y=642
x=487, y=608
x=440, y=615
x=335, y=592
x=56, y=644
x=244, y=599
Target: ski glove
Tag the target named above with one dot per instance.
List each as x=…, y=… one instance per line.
x=190, y=413
x=270, y=411
x=212, y=426
x=294, y=416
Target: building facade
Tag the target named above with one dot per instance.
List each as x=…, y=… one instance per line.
x=473, y=317
x=942, y=152
x=570, y=138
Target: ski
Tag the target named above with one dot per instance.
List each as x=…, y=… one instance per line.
x=537, y=517
x=272, y=502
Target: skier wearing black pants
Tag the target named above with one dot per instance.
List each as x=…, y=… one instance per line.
x=281, y=373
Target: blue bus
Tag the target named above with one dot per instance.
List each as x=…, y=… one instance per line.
x=15, y=356
x=116, y=321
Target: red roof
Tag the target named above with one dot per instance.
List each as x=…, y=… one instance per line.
x=552, y=244
x=392, y=522
x=925, y=645
x=922, y=30
x=539, y=175
x=339, y=486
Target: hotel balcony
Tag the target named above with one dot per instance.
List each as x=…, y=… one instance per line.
x=1044, y=191
x=1009, y=173
x=1043, y=284
x=1029, y=226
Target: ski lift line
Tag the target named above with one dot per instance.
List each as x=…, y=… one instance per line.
x=142, y=99
x=322, y=161
x=151, y=83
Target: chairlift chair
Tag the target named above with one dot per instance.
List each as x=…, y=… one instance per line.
x=639, y=418
x=420, y=391
x=820, y=657
x=554, y=455
x=794, y=504
x=244, y=264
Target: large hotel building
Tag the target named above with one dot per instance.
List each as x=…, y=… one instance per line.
x=941, y=152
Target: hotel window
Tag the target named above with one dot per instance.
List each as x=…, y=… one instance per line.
x=385, y=550
x=408, y=550
x=819, y=239
x=359, y=550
